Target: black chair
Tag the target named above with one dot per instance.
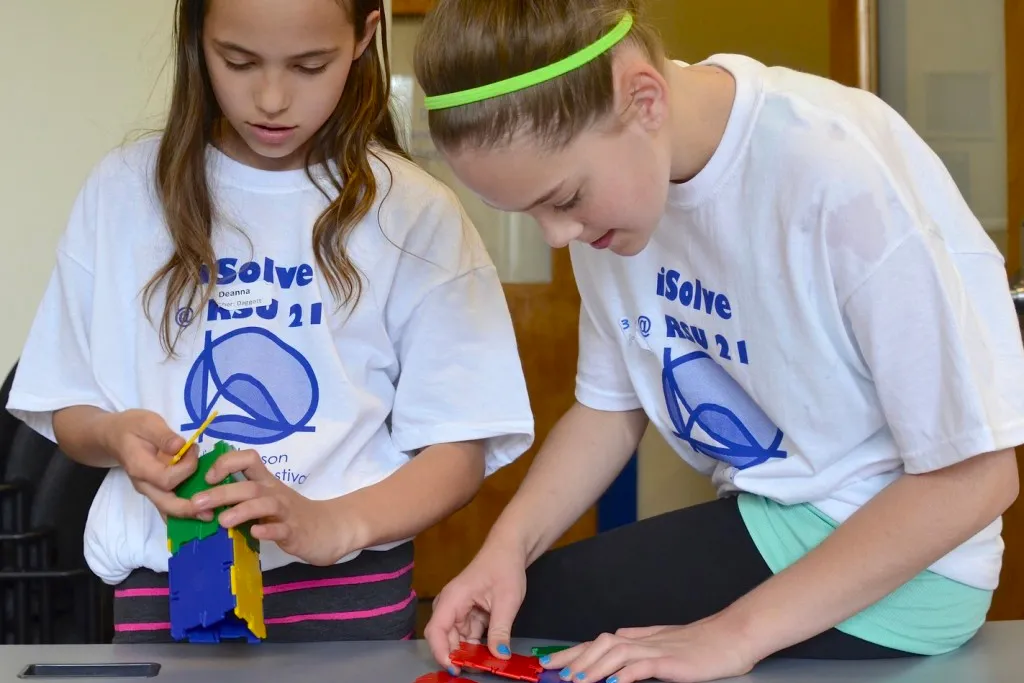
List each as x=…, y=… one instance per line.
x=8, y=423
x=47, y=593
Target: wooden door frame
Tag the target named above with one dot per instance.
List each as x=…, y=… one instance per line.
x=853, y=40
x=411, y=8
x=853, y=60
x=1008, y=602
x=1014, y=24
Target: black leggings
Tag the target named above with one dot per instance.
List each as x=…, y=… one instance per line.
x=676, y=568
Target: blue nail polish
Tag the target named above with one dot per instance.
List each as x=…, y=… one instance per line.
x=545, y=660
x=503, y=649
x=452, y=671
x=613, y=679
x=580, y=676
x=564, y=673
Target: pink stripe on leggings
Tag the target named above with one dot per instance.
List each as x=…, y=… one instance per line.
x=282, y=587
x=295, y=618
x=345, y=616
x=141, y=593
x=156, y=626
x=337, y=581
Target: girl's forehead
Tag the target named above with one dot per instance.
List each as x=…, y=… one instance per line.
x=279, y=23
x=515, y=177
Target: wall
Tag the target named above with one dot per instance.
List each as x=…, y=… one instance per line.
x=76, y=77
x=942, y=65
x=793, y=33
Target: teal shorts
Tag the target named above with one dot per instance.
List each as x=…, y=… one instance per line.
x=929, y=615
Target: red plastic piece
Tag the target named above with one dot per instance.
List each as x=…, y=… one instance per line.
x=478, y=657
x=441, y=677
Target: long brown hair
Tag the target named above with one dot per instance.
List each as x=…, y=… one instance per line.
x=361, y=126
x=468, y=43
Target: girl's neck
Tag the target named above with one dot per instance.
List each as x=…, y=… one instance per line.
x=702, y=100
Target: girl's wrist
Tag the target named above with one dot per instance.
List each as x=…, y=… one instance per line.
x=507, y=540
x=349, y=529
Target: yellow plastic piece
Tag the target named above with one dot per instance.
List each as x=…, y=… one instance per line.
x=247, y=584
x=192, y=439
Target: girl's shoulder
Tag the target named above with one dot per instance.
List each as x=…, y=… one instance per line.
x=422, y=215
x=126, y=170
x=408, y=184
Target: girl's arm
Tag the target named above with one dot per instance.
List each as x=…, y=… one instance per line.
x=895, y=536
x=79, y=435
x=579, y=460
x=440, y=480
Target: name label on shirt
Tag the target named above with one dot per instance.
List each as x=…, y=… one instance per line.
x=243, y=295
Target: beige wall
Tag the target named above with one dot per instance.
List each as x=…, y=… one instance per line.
x=793, y=33
x=77, y=77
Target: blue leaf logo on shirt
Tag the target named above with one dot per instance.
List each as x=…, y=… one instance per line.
x=272, y=386
x=714, y=415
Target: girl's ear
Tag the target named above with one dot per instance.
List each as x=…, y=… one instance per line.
x=369, y=33
x=641, y=92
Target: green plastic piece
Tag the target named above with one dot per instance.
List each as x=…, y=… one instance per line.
x=550, y=649
x=181, y=530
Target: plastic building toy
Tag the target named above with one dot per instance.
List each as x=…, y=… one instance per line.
x=441, y=677
x=216, y=586
x=479, y=658
x=548, y=650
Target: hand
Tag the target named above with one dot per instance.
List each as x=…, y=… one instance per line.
x=491, y=589
x=707, y=650
x=142, y=443
x=301, y=527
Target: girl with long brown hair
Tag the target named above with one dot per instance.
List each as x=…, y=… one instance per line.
x=273, y=256
x=780, y=276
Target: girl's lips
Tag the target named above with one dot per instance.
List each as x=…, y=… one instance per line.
x=271, y=135
x=603, y=241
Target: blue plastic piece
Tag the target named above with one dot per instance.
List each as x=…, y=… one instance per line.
x=230, y=628
x=202, y=605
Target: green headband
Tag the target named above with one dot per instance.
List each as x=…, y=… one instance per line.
x=532, y=78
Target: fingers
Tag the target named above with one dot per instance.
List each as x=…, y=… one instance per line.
x=476, y=626
x=248, y=462
x=565, y=658
x=641, y=631
x=662, y=668
x=154, y=429
x=144, y=467
x=225, y=495
x=252, y=510
x=277, y=532
x=503, y=612
x=441, y=627
x=607, y=655
x=169, y=504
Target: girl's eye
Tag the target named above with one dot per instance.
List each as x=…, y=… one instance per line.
x=238, y=66
x=566, y=206
x=312, y=69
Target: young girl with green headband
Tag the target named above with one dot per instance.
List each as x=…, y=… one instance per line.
x=780, y=276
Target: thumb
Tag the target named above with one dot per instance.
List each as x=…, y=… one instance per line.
x=154, y=429
x=499, y=630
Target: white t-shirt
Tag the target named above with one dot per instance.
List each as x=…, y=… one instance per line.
x=817, y=312
x=333, y=399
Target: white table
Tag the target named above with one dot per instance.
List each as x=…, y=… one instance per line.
x=995, y=656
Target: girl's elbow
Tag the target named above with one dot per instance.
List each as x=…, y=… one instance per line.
x=1006, y=477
